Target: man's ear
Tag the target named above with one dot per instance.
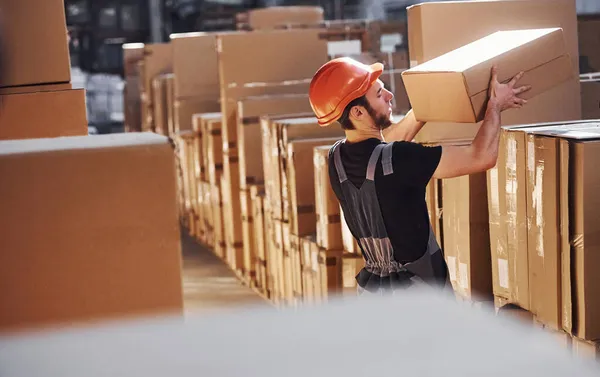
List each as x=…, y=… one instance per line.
x=356, y=112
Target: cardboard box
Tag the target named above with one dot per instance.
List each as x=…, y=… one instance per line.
x=248, y=235
x=212, y=155
x=574, y=156
x=34, y=56
x=586, y=350
x=277, y=16
x=132, y=54
x=484, y=18
x=285, y=131
x=467, y=237
x=590, y=98
x=295, y=272
x=184, y=109
x=588, y=31
x=507, y=194
x=543, y=219
x=195, y=65
x=327, y=206
x=158, y=59
x=250, y=146
x=563, y=103
x=43, y=114
x=170, y=95
x=96, y=261
x=300, y=199
x=464, y=74
x=160, y=107
x=241, y=76
x=232, y=213
x=352, y=264
x=199, y=162
x=275, y=260
x=330, y=273
x=259, y=232
x=206, y=214
x=217, y=213
x=183, y=142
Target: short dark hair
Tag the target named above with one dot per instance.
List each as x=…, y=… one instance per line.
x=345, y=118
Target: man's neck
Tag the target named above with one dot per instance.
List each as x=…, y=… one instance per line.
x=356, y=136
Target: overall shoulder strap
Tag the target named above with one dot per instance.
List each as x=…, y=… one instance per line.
x=373, y=162
x=386, y=160
x=337, y=159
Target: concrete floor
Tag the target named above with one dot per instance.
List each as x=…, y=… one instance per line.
x=208, y=284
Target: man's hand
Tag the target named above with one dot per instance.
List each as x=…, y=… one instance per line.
x=482, y=154
x=506, y=96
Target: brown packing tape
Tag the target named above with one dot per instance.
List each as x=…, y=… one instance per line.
x=305, y=209
x=331, y=219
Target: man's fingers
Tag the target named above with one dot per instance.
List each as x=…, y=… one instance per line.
x=516, y=79
x=494, y=73
x=520, y=101
x=522, y=89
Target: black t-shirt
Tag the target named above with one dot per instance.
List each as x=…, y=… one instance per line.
x=401, y=195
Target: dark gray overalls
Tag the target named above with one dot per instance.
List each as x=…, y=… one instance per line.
x=382, y=273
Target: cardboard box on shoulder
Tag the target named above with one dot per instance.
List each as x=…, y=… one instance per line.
x=55, y=113
x=464, y=74
x=327, y=206
x=34, y=56
x=128, y=267
x=250, y=146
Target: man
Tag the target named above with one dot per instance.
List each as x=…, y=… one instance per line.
x=381, y=186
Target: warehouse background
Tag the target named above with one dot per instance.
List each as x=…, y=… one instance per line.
x=99, y=28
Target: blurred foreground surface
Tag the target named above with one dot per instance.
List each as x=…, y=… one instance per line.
x=415, y=334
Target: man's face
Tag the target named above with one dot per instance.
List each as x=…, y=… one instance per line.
x=380, y=105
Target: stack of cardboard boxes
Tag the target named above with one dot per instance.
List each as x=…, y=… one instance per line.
x=515, y=234
x=36, y=96
x=73, y=246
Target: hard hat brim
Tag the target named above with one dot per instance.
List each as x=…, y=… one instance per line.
x=374, y=72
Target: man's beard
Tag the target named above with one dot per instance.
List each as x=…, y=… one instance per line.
x=381, y=121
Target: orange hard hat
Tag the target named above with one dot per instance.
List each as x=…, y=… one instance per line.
x=337, y=83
